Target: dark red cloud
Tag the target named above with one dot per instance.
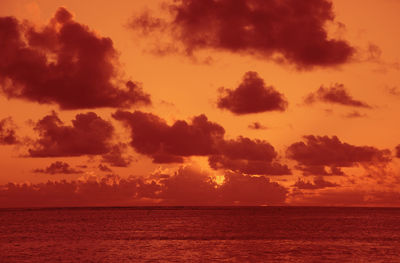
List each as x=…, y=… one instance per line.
x=319, y=183
x=58, y=168
x=63, y=63
x=293, y=30
x=117, y=157
x=152, y=136
x=7, y=132
x=247, y=156
x=88, y=135
x=398, y=151
x=335, y=94
x=251, y=96
x=257, y=126
x=319, y=151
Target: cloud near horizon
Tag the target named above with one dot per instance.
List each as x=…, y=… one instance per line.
x=187, y=186
x=290, y=30
x=63, y=63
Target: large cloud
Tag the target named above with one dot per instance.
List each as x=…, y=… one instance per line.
x=7, y=132
x=63, y=63
x=335, y=94
x=88, y=135
x=320, y=151
x=152, y=136
x=252, y=96
x=295, y=30
x=247, y=156
x=58, y=167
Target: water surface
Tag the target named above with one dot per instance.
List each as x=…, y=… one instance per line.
x=200, y=234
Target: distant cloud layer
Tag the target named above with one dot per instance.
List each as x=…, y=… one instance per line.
x=251, y=96
x=187, y=186
x=63, y=63
x=336, y=94
x=292, y=30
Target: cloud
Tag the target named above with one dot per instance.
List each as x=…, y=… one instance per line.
x=257, y=126
x=7, y=132
x=291, y=30
x=188, y=186
x=63, y=63
x=251, y=96
x=116, y=156
x=319, y=183
x=88, y=135
x=251, y=190
x=152, y=136
x=335, y=94
x=58, y=168
x=191, y=186
x=398, y=151
x=247, y=156
x=320, y=151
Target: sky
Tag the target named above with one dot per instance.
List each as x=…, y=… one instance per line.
x=214, y=102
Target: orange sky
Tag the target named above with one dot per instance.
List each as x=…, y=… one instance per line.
x=182, y=87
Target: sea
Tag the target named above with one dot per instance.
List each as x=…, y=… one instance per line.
x=200, y=234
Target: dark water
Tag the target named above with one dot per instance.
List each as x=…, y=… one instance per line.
x=264, y=234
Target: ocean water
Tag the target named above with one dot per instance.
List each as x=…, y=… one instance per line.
x=200, y=234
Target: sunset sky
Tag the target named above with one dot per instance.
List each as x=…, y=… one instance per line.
x=189, y=102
